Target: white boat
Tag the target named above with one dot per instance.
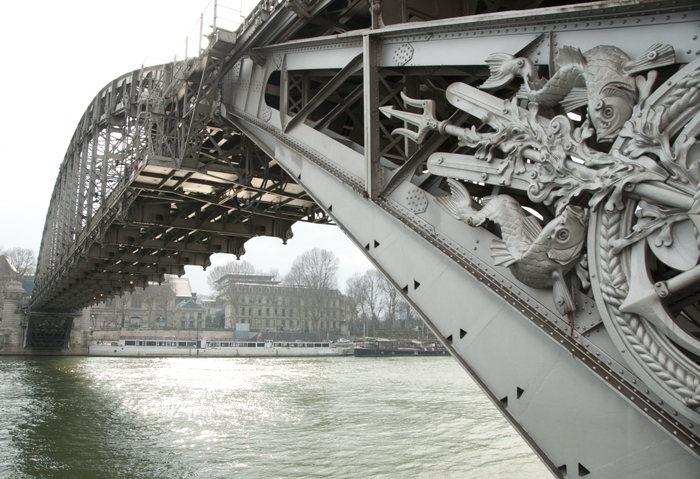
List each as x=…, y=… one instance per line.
x=215, y=349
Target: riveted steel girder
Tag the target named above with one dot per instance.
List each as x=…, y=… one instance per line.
x=171, y=164
x=553, y=376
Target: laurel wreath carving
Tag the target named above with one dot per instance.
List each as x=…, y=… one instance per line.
x=614, y=288
x=686, y=95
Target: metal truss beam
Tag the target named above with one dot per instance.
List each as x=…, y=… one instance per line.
x=327, y=90
x=165, y=162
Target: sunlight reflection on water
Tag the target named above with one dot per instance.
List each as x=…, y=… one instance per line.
x=255, y=417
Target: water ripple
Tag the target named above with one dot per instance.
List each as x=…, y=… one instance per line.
x=254, y=418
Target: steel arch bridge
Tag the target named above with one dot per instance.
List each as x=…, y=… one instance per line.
x=567, y=132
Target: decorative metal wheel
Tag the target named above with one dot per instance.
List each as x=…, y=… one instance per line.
x=645, y=255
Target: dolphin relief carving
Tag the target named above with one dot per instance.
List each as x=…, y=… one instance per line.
x=538, y=257
x=602, y=78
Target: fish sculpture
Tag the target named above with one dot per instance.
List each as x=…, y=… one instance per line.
x=602, y=78
x=538, y=257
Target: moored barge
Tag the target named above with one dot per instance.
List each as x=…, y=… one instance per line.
x=215, y=349
x=390, y=347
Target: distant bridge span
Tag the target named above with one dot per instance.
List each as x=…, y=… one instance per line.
x=329, y=111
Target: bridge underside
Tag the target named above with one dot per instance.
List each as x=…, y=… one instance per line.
x=142, y=214
x=294, y=118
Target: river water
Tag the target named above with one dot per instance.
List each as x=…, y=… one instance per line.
x=343, y=417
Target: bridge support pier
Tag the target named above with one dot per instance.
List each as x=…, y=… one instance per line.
x=81, y=333
x=13, y=324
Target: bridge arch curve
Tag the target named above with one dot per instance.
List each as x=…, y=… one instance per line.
x=462, y=98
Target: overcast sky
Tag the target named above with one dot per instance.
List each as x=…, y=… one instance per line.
x=57, y=56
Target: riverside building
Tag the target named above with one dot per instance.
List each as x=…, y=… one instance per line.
x=268, y=305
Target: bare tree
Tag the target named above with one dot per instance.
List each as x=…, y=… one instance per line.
x=354, y=291
x=121, y=305
x=274, y=272
x=165, y=299
x=410, y=316
x=372, y=297
x=149, y=301
x=232, y=267
x=316, y=271
x=23, y=259
x=390, y=301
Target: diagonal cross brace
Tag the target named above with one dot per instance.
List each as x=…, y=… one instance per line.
x=354, y=65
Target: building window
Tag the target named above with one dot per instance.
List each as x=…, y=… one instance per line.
x=267, y=323
x=334, y=313
x=250, y=311
x=275, y=311
x=259, y=311
x=284, y=312
x=182, y=324
x=291, y=312
x=306, y=313
x=283, y=300
x=191, y=324
x=267, y=313
x=199, y=315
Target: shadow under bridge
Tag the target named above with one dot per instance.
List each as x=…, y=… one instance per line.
x=151, y=182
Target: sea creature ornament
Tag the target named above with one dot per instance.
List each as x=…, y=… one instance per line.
x=602, y=78
x=538, y=257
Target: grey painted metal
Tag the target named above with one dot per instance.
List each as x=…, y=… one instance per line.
x=618, y=377
x=370, y=97
x=595, y=385
x=326, y=91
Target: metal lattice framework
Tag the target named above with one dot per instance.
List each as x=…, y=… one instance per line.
x=357, y=114
x=126, y=209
